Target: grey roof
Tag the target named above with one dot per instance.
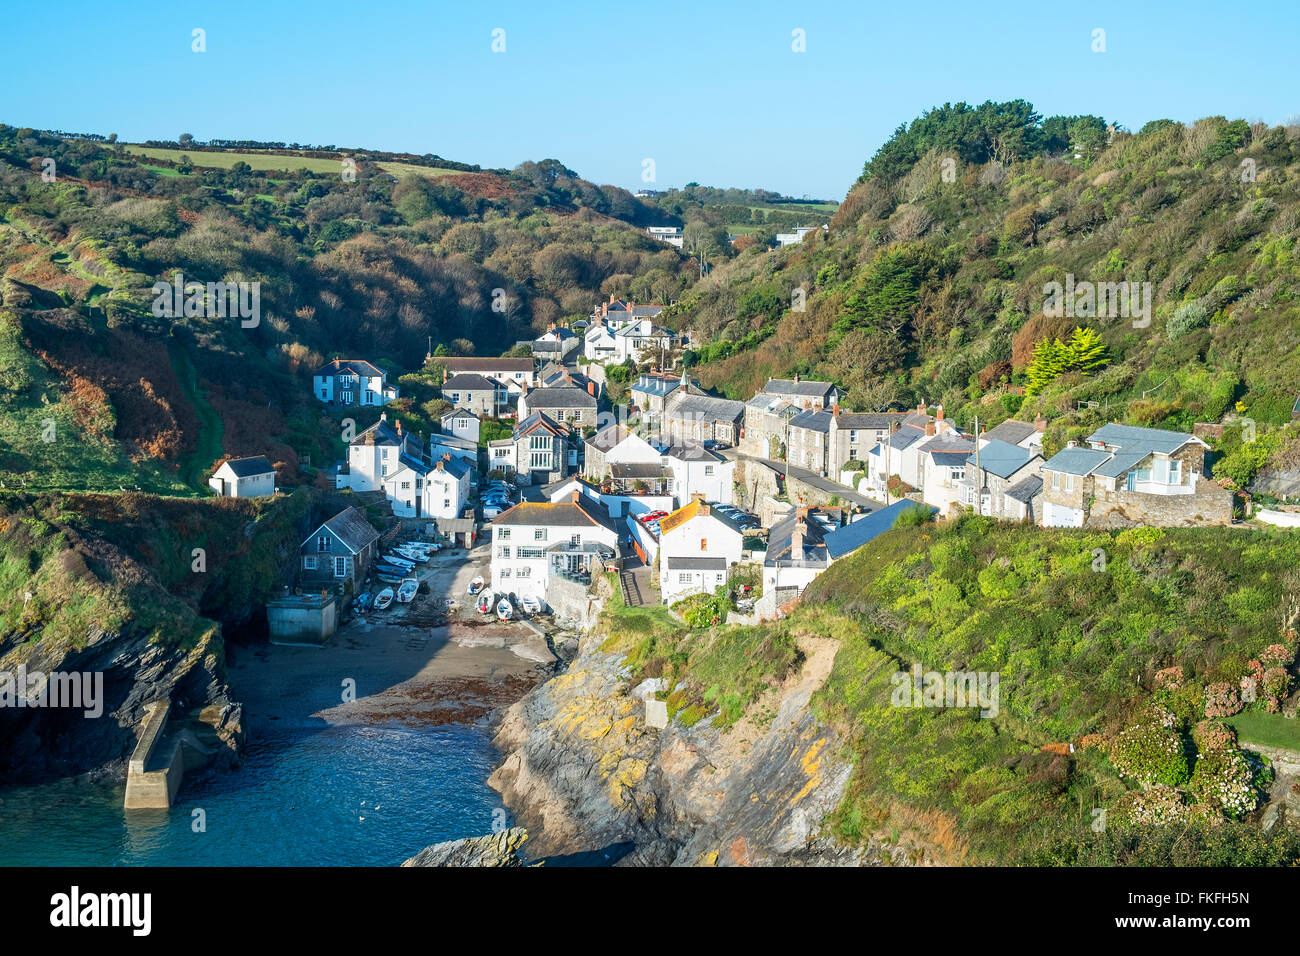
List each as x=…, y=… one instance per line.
x=638, y=469
x=1002, y=458
x=689, y=451
x=1026, y=490
x=1115, y=435
x=453, y=466
x=1011, y=431
x=350, y=527
x=818, y=421
x=1123, y=462
x=1076, y=461
x=656, y=384
x=881, y=420
x=950, y=459
x=248, y=467
x=459, y=413
x=479, y=364
x=696, y=564
x=561, y=396
x=558, y=514
x=469, y=382
x=787, y=386
x=855, y=534
x=906, y=437
x=708, y=408
x=358, y=367
x=814, y=540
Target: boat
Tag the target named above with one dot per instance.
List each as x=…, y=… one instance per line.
x=419, y=557
x=484, y=602
x=398, y=560
x=532, y=605
x=382, y=566
x=476, y=585
x=391, y=579
x=383, y=599
x=505, y=611
x=406, y=592
x=362, y=602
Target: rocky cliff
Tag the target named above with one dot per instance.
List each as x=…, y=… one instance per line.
x=584, y=771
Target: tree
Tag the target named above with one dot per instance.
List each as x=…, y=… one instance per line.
x=1086, y=351
x=1047, y=364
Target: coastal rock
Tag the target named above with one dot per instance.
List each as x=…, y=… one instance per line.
x=586, y=774
x=495, y=849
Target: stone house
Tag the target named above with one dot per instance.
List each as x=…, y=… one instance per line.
x=339, y=552
x=566, y=404
x=352, y=382
x=476, y=393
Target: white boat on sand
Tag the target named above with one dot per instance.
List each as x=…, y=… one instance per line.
x=406, y=592
x=476, y=585
x=505, y=610
x=532, y=605
x=383, y=599
x=484, y=603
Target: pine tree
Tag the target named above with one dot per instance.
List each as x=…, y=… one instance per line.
x=1086, y=351
x=1048, y=362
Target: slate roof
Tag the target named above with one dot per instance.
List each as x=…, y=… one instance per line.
x=458, y=413
x=558, y=514
x=881, y=420
x=814, y=540
x=249, y=467
x=695, y=564
x=357, y=366
x=477, y=364
x=1115, y=435
x=469, y=382
x=658, y=385
x=1011, y=431
x=949, y=459
x=818, y=421
x=855, y=534
x=350, y=527
x=561, y=396
x=786, y=386
x=708, y=408
x=1076, y=461
x=1026, y=490
x=638, y=469
x=538, y=421
x=689, y=451
x=1002, y=458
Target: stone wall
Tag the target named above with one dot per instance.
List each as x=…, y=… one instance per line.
x=1208, y=505
x=756, y=480
x=572, y=604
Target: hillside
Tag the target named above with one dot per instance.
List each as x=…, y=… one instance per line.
x=933, y=278
x=401, y=253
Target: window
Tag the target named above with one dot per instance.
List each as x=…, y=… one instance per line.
x=1175, y=472
x=708, y=471
x=309, y=562
x=323, y=543
x=539, y=534
x=959, y=473
x=503, y=534
x=524, y=572
x=340, y=567
x=685, y=577
x=446, y=502
x=1069, y=482
x=530, y=553
x=1056, y=481
x=505, y=572
x=406, y=486
x=503, y=552
x=575, y=541
x=853, y=435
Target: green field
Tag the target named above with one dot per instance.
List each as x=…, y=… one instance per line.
x=429, y=172
x=1270, y=730
x=219, y=160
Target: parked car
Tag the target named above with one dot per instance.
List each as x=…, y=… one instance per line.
x=652, y=516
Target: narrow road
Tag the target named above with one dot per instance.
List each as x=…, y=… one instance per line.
x=812, y=479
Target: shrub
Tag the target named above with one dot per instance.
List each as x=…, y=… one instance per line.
x=914, y=516
x=1151, y=750
x=1188, y=318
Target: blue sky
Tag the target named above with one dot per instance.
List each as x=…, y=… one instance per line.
x=711, y=92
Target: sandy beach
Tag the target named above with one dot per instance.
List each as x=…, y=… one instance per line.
x=395, y=664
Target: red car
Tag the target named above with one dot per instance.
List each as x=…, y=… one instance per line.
x=652, y=516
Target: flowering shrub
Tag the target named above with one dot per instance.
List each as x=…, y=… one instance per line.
x=1155, y=807
x=1221, y=700
x=1277, y=655
x=703, y=610
x=1210, y=736
x=1225, y=780
x=1171, y=678
x=1272, y=682
x=1152, y=750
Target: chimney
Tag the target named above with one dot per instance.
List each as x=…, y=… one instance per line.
x=938, y=413
x=1072, y=443
x=796, y=536
x=398, y=424
x=1040, y=423
x=929, y=428
x=920, y=407
x=444, y=375
x=591, y=389
x=383, y=416
x=835, y=410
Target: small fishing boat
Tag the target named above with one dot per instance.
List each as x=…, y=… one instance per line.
x=406, y=592
x=401, y=562
x=505, y=611
x=383, y=599
x=419, y=557
x=484, y=602
x=476, y=585
x=383, y=567
x=532, y=605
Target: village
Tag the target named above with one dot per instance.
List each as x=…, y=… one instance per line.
x=676, y=491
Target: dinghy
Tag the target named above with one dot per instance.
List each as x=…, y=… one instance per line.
x=406, y=593
x=383, y=599
x=411, y=554
x=484, y=602
x=393, y=557
x=476, y=585
x=532, y=605
x=504, y=609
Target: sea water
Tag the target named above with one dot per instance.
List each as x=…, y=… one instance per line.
x=352, y=795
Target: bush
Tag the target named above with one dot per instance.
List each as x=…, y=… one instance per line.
x=703, y=610
x=914, y=516
x=1188, y=318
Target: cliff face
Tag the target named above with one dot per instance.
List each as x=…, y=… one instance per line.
x=584, y=772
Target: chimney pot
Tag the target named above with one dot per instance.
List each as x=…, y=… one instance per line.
x=938, y=413
x=929, y=428
x=1040, y=423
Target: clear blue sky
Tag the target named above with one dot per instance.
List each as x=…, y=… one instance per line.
x=711, y=92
